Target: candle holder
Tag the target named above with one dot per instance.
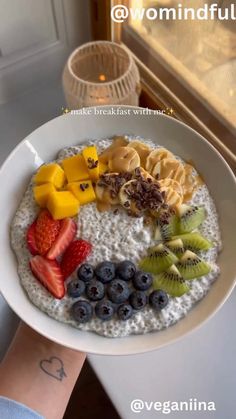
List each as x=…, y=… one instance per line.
x=101, y=73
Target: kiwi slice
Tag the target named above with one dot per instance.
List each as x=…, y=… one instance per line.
x=190, y=218
x=176, y=246
x=192, y=266
x=192, y=241
x=171, y=281
x=166, y=225
x=158, y=260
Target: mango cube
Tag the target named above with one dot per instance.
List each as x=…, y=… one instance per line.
x=83, y=191
x=62, y=204
x=42, y=192
x=103, y=168
x=50, y=173
x=75, y=168
x=91, y=158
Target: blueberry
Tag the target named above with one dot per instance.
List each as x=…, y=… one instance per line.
x=138, y=300
x=118, y=291
x=124, y=311
x=158, y=299
x=142, y=280
x=104, y=310
x=85, y=272
x=105, y=272
x=126, y=270
x=82, y=311
x=75, y=288
x=95, y=290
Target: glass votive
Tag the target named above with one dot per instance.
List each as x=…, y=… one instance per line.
x=101, y=73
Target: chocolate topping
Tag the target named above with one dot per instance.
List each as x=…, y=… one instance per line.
x=92, y=164
x=84, y=186
x=144, y=194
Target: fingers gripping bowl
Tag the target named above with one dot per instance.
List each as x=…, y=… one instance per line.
x=174, y=137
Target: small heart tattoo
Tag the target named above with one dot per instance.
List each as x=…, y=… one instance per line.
x=53, y=367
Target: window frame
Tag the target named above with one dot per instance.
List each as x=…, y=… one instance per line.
x=154, y=91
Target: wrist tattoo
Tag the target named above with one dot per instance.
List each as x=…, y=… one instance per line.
x=53, y=367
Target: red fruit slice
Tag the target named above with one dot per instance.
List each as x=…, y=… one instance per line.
x=64, y=238
x=30, y=237
x=46, y=231
x=74, y=255
x=48, y=272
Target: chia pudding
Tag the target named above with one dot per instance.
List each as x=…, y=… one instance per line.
x=115, y=236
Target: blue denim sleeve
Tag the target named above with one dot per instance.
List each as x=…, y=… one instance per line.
x=9, y=409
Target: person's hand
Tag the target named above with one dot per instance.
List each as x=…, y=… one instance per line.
x=39, y=373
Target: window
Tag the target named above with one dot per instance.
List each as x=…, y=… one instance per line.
x=189, y=65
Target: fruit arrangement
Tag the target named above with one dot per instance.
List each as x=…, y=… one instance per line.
x=129, y=174
x=174, y=260
x=63, y=188
x=145, y=182
x=108, y=289
x=176, y=181
x=113, y=291
x=48, y=241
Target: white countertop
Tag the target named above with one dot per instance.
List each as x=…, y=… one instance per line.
x=201, y=366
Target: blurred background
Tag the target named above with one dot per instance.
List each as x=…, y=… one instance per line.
x=188, y=66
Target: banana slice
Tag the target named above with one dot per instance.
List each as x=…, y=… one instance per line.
x=105, y=195
x=105, y=189
x=155, y=156
x=140, y=171
x=165, y=168
x=172, y=198
x=142, y=149
x=191, y=182
x=139, y=195
x=125, y=199
x=179, y=174
x=118, y=141
x=169, y=168
x=171, y=183
x=124, y=159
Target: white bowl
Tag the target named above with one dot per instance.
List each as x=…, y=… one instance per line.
x=43, y=145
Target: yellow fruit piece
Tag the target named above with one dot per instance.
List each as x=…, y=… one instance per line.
x=103, y=168
x=62, y=204
x=83, y=191
x=42, y=192
x=91, y=159
x=75, y=168
x=50, y=173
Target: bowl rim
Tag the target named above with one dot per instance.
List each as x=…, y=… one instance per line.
x=98, y=84
x=182, y=333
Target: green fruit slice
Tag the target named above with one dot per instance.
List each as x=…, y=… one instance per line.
x=193, y=241
x=192, y=266
x=176, y=246
x=172, y=282
x=190, y=218
x=166, y=225
x=158, y=260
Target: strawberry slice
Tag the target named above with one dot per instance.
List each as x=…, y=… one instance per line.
x=46, y=231
x=64, y=238
x=74, y=255
x=48, y=272
x=30, y=237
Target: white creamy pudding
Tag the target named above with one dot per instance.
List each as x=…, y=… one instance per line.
x=115, y=236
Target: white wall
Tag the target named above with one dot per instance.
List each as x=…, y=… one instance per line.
x=36, y=37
